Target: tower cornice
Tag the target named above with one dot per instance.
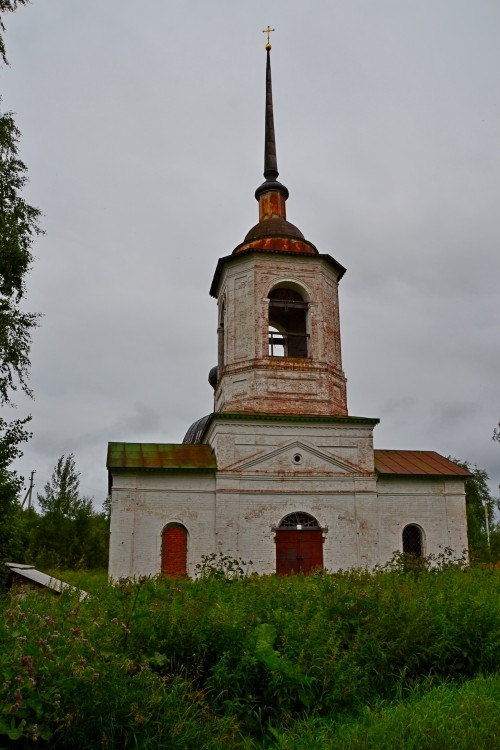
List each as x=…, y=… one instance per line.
x=246, y=249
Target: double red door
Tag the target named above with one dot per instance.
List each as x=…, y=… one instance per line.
x=298, y=551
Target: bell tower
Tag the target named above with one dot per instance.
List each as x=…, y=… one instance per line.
x=279, y=346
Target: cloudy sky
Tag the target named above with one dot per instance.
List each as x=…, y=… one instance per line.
x=143, y=129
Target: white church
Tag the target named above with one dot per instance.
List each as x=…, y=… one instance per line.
x=279, y=473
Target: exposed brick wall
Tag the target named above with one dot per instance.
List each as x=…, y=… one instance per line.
x=174, y=551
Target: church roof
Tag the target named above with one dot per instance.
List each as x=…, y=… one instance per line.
x=196, y=432
x=160, y=456
x=200, y=456
x=416, y=463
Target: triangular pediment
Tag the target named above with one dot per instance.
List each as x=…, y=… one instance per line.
x=295, y=457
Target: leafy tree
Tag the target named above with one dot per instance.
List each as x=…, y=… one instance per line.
x=61, y=491
x=479, y=503
x=7, y=6
x=68, y=533
x=11, y=437
x=496, y=434
x=19, y=225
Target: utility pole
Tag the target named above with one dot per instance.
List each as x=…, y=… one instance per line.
x=486, y=518
x=29, y=494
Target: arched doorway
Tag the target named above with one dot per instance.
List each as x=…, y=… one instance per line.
x=174, y=550
x=299, y=545
x=413, y=540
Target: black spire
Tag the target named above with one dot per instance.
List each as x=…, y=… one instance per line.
x=270, y=162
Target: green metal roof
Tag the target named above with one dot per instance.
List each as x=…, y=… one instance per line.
x=161, y=457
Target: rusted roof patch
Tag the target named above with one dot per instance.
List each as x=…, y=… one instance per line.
x=162, y=456
x=421, y=463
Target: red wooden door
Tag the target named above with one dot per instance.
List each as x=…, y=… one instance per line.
x=174, y=550
x=298, y=551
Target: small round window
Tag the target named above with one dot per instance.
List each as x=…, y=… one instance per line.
x=297, y=458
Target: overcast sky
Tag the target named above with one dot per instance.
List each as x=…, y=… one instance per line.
x=143, y=131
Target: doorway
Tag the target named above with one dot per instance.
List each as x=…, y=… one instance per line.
x=299, y=545
x=174, y=550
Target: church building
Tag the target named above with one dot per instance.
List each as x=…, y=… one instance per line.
x=279, y=473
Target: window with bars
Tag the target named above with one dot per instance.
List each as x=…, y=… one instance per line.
x=413, y=540
x=299, y=521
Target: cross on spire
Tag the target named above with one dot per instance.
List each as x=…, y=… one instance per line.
x=268, y=32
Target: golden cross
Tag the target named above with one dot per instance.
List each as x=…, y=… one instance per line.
x=268, y=32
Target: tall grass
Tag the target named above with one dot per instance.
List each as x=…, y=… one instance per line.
x=256, y=662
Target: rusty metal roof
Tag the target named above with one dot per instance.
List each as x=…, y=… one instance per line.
x=416, y=463
x=161, y=456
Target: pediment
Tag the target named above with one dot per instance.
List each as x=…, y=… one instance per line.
x=294, y=458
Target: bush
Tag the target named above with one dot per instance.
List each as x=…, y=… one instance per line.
x=203, y=664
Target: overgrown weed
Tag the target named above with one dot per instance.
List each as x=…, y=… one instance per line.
x=202, y=664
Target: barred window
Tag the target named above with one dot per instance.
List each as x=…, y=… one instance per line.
x=413, y=541
x=299, y=521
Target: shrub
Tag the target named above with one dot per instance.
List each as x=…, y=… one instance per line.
x=181, y=663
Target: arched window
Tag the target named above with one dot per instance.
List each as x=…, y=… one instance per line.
x=288, y=336
x=299, y=521
x=413, y=540
x=174, y=550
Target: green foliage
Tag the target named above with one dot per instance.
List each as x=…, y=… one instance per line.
x=19, y=225
x=448, y=716
x=218, y=565
x=496, y=434
x=7, y=6
x=68, y=533
x=12, y=435
x=349, y=660
x=61, y=491
x=479, y=503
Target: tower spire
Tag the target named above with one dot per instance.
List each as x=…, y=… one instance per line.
x=273, y=231
x=270, y=161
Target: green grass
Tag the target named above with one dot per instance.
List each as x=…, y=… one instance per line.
x=462, y=717
x=350, y=660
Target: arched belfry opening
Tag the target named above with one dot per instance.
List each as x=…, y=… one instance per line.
x=288, y=323
x=299, y=544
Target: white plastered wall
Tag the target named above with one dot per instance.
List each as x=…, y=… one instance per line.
x=436, y=505
x=143, y=504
